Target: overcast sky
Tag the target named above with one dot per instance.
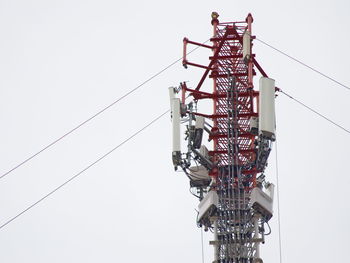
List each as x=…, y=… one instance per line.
x=62, y=61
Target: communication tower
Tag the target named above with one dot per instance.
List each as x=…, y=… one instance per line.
x=228, y=176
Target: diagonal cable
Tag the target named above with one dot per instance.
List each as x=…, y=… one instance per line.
x=302, y=63
x=82, y=171
x=316, y=112
x=297, y=60
x=95, y=115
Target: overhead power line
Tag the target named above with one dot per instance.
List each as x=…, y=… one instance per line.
x=82, y=171
x=95, y=115
x=316, y=112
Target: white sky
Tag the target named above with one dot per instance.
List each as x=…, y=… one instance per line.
x=62, y=61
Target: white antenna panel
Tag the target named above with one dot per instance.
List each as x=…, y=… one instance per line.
x=175, y=109
x=267, y=123
x=246, y=45
x=171, y=94
x=198, y=134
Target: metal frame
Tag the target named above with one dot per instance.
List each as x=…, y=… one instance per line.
x=238, y=229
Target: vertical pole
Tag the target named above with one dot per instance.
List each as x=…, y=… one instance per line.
x=189, y=144
x=184, y=55
x=249, y=21
x=250, y=62
x=216, y=241
x=183, y=93
x=256, y=237
x=215, y=23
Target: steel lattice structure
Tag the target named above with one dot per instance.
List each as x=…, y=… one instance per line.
x=239, y=152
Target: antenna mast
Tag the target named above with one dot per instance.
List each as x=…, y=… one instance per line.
x=235, y=200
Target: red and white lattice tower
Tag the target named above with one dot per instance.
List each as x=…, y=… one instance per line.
x=235, y=199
